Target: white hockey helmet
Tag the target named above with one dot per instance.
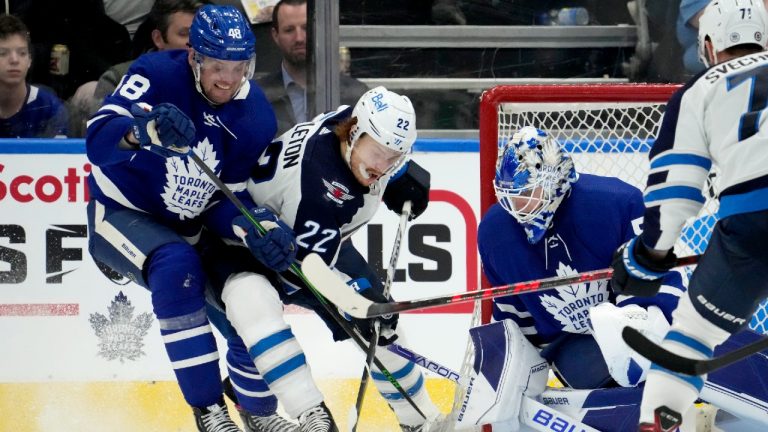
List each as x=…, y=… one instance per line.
x=387, y=117
x=729, y=23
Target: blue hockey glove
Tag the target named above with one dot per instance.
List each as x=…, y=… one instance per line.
x=410, y=183
x=164, y=129
x=276, y=248
x=387, y=323
x=635, y=272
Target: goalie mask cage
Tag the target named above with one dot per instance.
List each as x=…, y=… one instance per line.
x=607, y=128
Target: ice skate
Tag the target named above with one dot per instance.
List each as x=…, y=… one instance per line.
x=665, y=420
x=214, y=418
x=317, y=419
x=271, y=423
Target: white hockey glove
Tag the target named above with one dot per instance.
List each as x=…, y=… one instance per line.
x=607, y=320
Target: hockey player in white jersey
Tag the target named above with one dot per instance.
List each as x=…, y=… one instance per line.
x=325, y=179
x=718, y=117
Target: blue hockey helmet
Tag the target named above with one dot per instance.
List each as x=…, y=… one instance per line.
x=533, y=175
x=221, y=32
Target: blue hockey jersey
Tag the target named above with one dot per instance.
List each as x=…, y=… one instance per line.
x=600, y=214
x=230, y=138
x=42, y=116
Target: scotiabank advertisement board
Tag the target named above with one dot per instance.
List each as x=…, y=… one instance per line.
x=71, y=327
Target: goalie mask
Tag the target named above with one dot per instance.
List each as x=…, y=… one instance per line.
x=728, y=23
x=533, y=175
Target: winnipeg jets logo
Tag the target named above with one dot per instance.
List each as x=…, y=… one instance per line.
x=571, y=304
x=337, y=192
x=187, y=188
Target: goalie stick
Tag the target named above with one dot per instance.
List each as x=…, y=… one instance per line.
x=335, y=290
x=688, y=366
x=298, y=272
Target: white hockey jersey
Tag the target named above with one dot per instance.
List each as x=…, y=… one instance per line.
x=303, y=179
x=717, y=117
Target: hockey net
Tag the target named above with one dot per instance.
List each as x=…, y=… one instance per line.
x=607, y=128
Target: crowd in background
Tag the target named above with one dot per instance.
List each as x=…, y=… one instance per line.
x=77, y=52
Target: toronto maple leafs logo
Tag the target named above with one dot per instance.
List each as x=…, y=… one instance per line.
x=571, y=304
x=121, y=336
x=337, y=192
x=187, y=188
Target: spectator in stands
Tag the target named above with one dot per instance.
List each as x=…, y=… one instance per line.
x=687, y=31
x=168, y=27
x=94, y=42
x=129, y=13
x=286, y=89
x=26, y=111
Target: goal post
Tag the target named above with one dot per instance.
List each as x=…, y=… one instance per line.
x=607, y=128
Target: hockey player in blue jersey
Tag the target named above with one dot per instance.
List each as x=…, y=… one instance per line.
x=718, y=117
x=150, y=201
x=544, y=225
x=325, y=179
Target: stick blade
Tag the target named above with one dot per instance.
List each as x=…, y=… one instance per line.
x=655, y=353
x=333, y=288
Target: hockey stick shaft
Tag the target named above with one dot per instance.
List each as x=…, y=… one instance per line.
x=426, y=363
x=360, y=307
x=297, y=271
x=404, y=216
x=688, y=366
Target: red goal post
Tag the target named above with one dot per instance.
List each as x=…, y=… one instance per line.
x=608, y=129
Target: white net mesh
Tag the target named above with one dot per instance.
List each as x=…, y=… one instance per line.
x=613, y=139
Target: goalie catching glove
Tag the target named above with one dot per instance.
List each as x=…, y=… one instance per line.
x=276, y=248
x=163, y=129
x=387, y=323
x=636, y=272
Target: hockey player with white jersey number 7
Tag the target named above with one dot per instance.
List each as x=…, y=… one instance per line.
x=717, y=118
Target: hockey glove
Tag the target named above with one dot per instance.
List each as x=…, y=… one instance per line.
x=635, y=272
x=410, y=183
x=164, y=129
x=387, y=323
x=276, y=248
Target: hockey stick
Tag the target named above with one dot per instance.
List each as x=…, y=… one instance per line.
x=294, y=268
x=354, y=415
x=428, y=364
x=688, y=366
x=360, y=307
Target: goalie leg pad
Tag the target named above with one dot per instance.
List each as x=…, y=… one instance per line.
x=739, y=388
x=256, y=312
x=506, y=368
